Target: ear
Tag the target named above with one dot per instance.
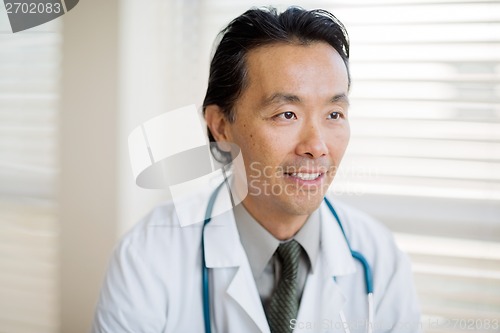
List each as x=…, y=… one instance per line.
x=218, y=125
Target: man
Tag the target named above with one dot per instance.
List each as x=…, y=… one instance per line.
x=279, y=261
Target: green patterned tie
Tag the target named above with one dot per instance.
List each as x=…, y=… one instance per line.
x=284, y=303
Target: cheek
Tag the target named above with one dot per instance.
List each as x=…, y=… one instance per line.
x=255, y=138
x=338, y=142
x=261, y=148
x=275, y=145
x=346, y=136
x=250, y=144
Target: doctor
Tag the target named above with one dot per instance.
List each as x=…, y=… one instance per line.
x=279, y=261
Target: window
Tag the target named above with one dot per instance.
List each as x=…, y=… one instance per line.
x=425, y=149
x=28, y=156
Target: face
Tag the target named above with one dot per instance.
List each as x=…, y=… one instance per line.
x=291, y=123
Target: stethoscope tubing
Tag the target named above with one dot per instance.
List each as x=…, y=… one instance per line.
x=204, y=274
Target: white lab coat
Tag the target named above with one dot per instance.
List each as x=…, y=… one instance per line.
x=154, y=281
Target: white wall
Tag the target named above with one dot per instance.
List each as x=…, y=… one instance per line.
x=88, y=193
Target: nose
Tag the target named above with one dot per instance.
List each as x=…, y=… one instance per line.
x=312, y=142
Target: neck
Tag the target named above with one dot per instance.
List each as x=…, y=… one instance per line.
x=281, y=225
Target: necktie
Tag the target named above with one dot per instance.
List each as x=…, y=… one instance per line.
x=284, y=304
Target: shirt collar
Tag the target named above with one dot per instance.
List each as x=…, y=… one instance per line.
x=309, y=237
x=260, y=245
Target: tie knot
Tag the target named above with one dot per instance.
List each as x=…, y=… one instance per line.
x=289, y=254
x=289, y=250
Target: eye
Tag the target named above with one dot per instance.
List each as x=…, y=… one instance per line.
x=334, y=115
x=288, y=115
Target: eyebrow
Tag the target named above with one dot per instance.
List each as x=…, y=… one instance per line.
x=280, y=98
x=340, y=98
x=289, y=98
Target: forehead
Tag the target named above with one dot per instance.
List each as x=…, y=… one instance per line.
x=296, y=68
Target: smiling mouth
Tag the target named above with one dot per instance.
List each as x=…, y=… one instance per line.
x=305, y=176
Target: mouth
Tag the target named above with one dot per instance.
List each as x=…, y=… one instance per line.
x=305, y=176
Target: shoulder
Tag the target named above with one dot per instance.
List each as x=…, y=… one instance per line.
x=160, y=217
x=361, y=228
x=134, y=295
x=370, y=237
x=158, y=235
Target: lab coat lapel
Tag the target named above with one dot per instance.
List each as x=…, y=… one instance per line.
x=242, y=289
x=322, y=299
x=338, y=260
x=223, y=250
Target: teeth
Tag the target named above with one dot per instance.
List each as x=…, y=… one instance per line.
x=305, y=176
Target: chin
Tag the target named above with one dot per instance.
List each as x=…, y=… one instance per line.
x=304, y=205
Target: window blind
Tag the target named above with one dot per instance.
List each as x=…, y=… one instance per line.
x=425, y=150
x=29, y=70
x=426, y=116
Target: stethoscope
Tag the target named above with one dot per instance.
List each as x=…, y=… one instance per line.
x=355, y=254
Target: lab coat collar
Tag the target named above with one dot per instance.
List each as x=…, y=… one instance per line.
x=222, y=243
x=223, y=249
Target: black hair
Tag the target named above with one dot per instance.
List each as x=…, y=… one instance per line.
x=259, y=27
